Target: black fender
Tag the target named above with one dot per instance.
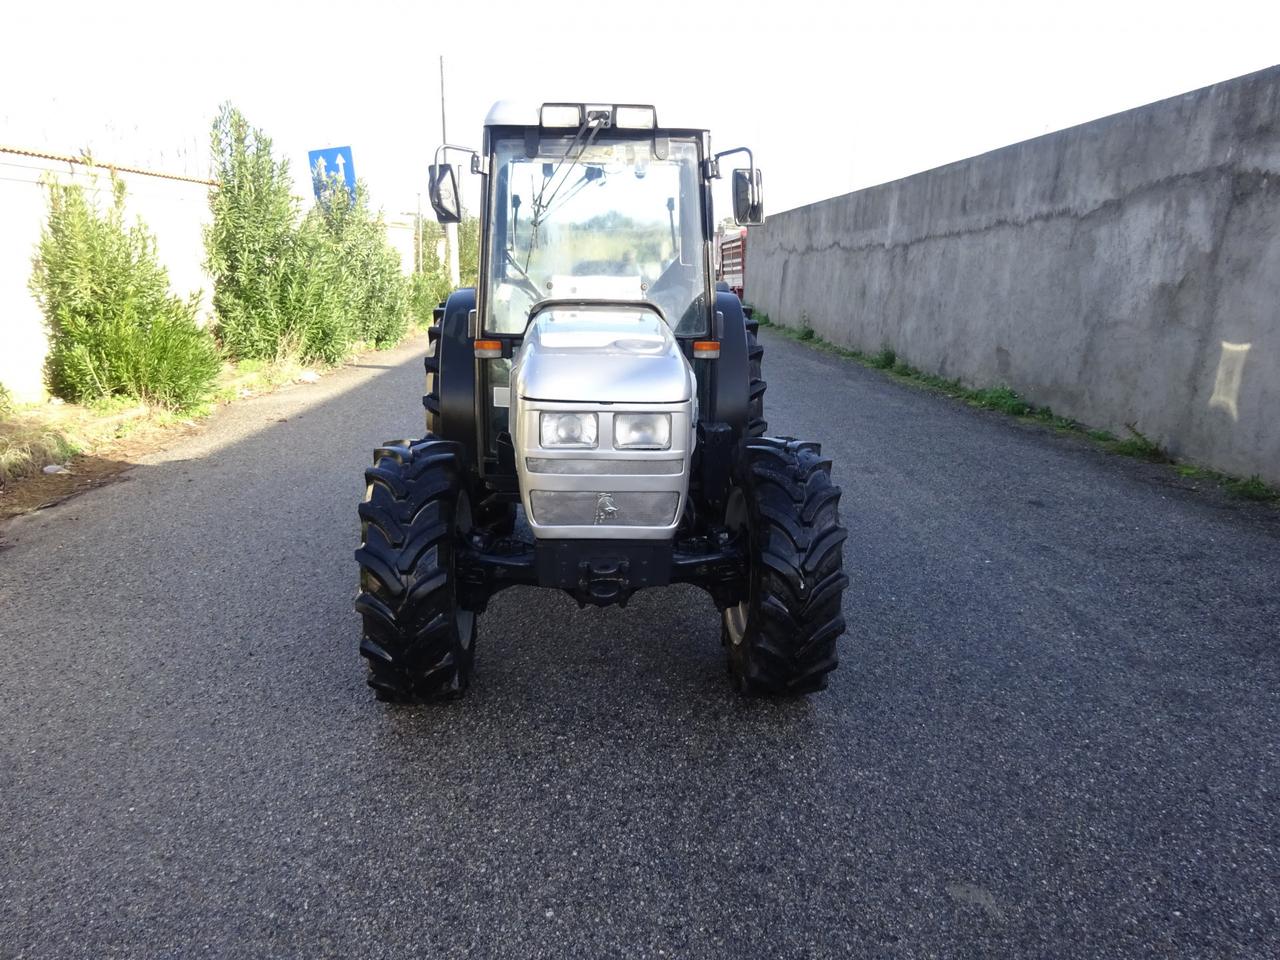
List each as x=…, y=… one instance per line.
x=731, y=373
x=724, y=425
x=450, y=399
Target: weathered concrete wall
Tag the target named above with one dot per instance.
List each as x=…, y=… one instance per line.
x=1122, y=271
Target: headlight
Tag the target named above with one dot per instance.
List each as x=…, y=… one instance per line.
x=568, y=429
x=642, y=431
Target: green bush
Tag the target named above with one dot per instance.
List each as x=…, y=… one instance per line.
x=250, y=242
x=468, y=250
x=371, y=292
x=310, y=288
x=426, y=291
x=114, y=327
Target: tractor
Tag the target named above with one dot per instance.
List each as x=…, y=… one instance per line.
x=595, y=417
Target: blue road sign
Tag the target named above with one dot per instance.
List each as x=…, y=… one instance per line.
x=332, y=162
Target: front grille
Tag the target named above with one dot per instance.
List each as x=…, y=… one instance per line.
x=600, y=467
x=629, y=508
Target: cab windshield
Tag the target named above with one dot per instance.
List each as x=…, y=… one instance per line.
x=596, y=218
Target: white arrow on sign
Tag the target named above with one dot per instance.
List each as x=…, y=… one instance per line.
x=341, y=161
x=320, y=167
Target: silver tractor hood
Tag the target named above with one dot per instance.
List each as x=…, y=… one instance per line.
x=605, y=369
x=604, y=354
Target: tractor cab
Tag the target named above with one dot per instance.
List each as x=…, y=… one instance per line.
x=586, y=204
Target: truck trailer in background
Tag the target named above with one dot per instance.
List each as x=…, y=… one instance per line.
x=731, y=259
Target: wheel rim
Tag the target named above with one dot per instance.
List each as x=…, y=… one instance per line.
x=735, y=520
x=464, y=620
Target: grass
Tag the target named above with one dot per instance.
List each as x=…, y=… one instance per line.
x=1250, y=488
x=1246, y=488
x=1006, y=400
x=884, y=360
x=1003, y=399
x=28, y=445
x=1139, y=445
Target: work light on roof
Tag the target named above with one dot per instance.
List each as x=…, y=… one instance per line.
x=561, y=115
x=625, y=116
x=635, y=117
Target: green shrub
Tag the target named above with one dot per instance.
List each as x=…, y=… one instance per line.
x=468, y=250
x=426, y=291
x=310, y=288
x=371, y=292
x=114, y=327
x=250, y=243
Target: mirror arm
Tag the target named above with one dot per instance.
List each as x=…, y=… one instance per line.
x=478, y=164
x=713, y=165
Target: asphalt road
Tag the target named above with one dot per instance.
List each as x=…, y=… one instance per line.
x=1055, y=731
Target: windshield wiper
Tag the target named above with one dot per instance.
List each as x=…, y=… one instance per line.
x=524, y=275
x=577, y=188
x=541, y=207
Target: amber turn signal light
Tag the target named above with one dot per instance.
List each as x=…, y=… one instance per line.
x=706, y=349
x=488, y=349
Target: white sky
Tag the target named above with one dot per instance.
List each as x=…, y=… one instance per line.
x=831, y=97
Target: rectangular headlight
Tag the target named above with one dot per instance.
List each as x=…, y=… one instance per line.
x=568, y=429
x=642, y=431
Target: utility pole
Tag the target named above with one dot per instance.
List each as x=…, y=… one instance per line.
x=450, y=229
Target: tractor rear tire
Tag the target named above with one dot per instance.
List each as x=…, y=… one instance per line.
x=419, y=641
x=781, y=640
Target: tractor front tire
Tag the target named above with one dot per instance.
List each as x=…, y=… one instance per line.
x=419, y=641
x=781, y=639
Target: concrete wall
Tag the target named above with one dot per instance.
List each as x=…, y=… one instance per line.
x=1122, y=271
x=400, y=234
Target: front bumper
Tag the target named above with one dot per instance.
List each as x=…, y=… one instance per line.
x=602, y=572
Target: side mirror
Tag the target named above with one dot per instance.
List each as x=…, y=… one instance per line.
x=442, y=188
x=748, y=198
